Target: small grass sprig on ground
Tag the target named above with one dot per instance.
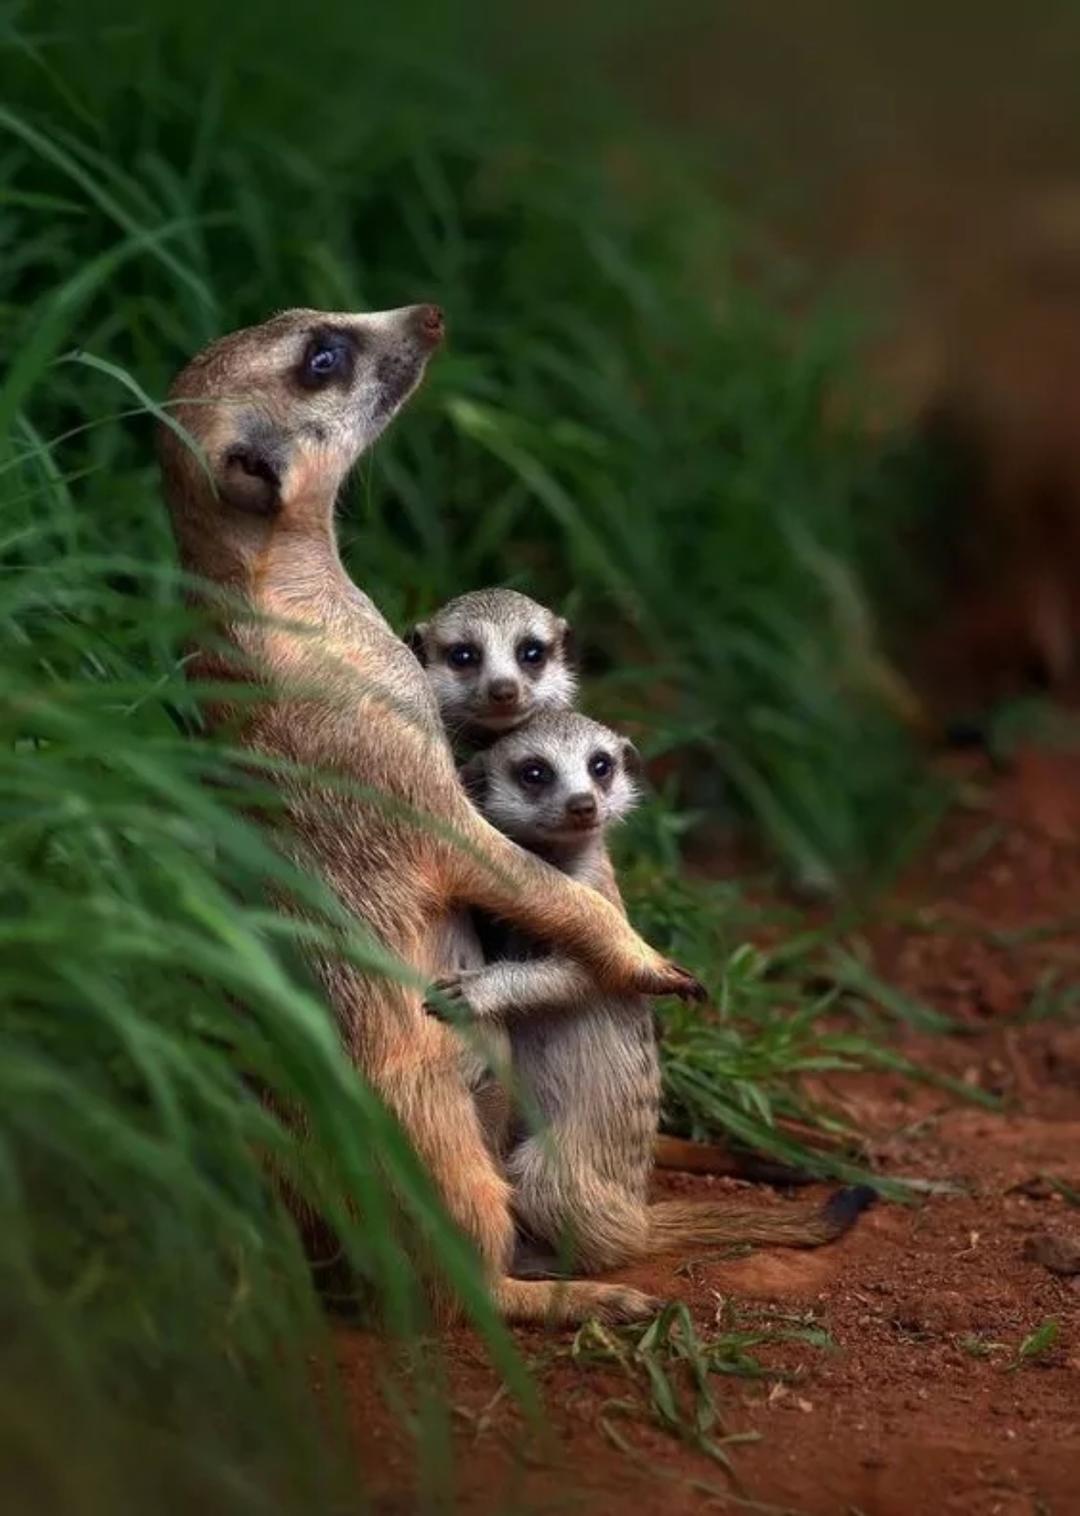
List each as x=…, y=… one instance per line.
x=670, y=1367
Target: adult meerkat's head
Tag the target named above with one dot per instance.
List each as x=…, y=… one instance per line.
x=282, y=411
x=556, y=783
x=494, y=658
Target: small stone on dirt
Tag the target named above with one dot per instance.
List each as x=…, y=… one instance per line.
x=1059, y=1254
x=1036, y=1188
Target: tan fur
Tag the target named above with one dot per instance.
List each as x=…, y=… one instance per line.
x=348, y=697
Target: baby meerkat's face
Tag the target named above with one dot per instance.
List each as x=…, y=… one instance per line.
x=560, y=780
x=495, y=658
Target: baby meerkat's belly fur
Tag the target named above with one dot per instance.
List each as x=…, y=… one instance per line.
x=594, y=1076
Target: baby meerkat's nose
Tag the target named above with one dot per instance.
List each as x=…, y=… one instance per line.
x=503, y=692
x=582, y=807
x=428, y=323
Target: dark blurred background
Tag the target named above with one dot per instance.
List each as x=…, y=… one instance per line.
x=925, y=160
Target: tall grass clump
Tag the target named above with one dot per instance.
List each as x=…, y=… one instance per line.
x=616, y=427
x=162, y=1336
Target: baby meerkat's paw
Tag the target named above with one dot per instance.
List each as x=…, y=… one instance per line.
x=453, y=1003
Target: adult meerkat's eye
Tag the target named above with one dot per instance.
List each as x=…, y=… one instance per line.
x=329, y=355
x=534, y=773
x=531, y=653
x=601, y=765
x=463, y=655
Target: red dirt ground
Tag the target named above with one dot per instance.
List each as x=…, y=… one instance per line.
x=907, y=1416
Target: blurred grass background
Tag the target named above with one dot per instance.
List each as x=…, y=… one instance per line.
x=623, y=425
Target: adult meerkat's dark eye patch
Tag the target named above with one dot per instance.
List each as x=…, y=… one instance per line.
x=329, y=357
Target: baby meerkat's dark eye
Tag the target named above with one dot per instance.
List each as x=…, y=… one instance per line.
x=601, y=765
x=531, y=653
x=324, y=360
x=463, y=655
x=534, y=773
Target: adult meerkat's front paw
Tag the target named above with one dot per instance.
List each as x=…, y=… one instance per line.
x=667, y=978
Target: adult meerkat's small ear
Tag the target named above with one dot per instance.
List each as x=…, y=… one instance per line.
x=250, y=477
x=475, y=778
x=632, y=760
x=416, y=639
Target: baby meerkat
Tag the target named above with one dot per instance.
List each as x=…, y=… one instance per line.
x=493, y=659
x=588, y=1058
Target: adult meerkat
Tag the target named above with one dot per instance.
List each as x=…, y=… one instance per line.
x=588, y=1057
x=280, y=413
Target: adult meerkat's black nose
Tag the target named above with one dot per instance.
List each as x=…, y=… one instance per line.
x=428, y=323
x=503, y=692
x=581, y=807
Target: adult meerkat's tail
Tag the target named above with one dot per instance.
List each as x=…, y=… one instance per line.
x=603, y=1228
x=687, y=1223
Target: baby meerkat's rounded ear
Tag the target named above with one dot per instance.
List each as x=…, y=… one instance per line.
x=474, y=777
x=632, y=760
x=250, y=478
x=416, y=639
x=567, y=641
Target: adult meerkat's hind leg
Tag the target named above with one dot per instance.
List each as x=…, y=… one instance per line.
x=517, y=887
x=569, y=1302
x=446, y=1132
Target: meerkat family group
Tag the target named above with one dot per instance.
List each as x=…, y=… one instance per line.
x=555, y=781
x=509, y=904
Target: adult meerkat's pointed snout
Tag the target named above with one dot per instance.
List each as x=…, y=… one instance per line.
x=430, y=322
x=420, y=326
x=401, y=342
